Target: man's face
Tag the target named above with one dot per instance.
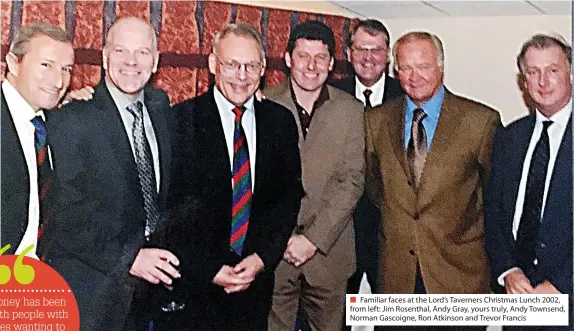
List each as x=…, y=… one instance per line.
x=42, y=76
x=310, y=63
x=419, y=72
x=369, y=56
x=238, y=68
x=547, y=79
x=129, y=57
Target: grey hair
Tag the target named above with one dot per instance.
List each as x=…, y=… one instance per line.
x=421, y=35
x=239, y=29
x=543, y=41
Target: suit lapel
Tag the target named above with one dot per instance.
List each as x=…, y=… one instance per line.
x=284, y=99
x=155, y=109
x=396, y=127
x=212, y=132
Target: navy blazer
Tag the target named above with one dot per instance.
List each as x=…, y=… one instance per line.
x=554, y=241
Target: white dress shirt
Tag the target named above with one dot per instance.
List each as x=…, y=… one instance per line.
x=378, y=90
x=23, y=114
x=555, y=134
x=122, y=102
x=247, y=121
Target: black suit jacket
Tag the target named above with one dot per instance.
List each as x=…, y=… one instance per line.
x=393, y=87
x=554, y=241
x=99, y=222
x=204, y=176
x=15, y=185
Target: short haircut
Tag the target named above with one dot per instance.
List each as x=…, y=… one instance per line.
x=19, y=46
x=543, y=41
x=153, y=35
x=239, y=29
x=421, y=35
x=372, y=27
x=312, y=30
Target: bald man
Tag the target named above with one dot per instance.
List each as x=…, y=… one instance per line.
x=111, y=160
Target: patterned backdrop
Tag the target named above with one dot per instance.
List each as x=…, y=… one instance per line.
x=185, y=30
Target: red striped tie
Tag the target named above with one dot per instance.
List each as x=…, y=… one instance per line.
x=241, y=185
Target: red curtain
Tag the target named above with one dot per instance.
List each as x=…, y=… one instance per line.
x=185, y=30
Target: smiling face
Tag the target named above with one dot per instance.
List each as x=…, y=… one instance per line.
x=369, y=56
x=129, y=56
x=419, y=72
x=42, y=75
x=238, y=67
x=547, y=78
x=310, y=64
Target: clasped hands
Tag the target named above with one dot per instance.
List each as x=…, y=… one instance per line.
x=155, y=265
x=239, y=278
x=299, y=250
x=516, y=282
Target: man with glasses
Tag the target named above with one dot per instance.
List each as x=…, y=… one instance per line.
x=428, y=162
x=368, y=53
x=238, y=160
x=320, y=255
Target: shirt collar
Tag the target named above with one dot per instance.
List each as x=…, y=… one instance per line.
x=376, y=88
x=432, y=107
x=222, y=103
x=561, y=117
x=19, y=107
x=121, y=100
x=323, y=96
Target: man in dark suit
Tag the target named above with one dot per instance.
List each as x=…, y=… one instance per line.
x=239, y=160
x=111, y=163
x=368, y=52
x=528, y=201
x=39, y=67
x=428, y=160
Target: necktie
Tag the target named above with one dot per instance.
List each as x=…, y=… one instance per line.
x=44, y=170
x=241, y=185
x=417, y=147
x=367, y=93
x=144, y=162
x=533, y=196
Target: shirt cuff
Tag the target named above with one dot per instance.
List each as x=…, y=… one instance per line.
x=506, y=273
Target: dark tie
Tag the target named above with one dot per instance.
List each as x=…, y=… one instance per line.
x=241, y=185
x=367, y=93
x=44, y=170
x=144, y=162
x=533, y=197
x=417, y=147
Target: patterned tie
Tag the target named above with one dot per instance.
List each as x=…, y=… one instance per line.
x=417, y=147
x=241, y=185
x=367, y=93
x=44, y=170
x=533, y=196
x=146, y=173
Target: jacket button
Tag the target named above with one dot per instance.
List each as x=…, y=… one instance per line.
x=542, y=245
x=412, y=252
x=409, y=183
x=416, y=217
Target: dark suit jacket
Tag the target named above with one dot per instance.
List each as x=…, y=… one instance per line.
x=393, y=87
x=554, y=241
x=15, y=185
x=204, y=173
x=98, y=226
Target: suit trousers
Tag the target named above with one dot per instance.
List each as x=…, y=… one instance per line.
x=321, y=306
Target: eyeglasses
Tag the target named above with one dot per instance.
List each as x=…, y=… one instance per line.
x=230, y=66
x=364, y=50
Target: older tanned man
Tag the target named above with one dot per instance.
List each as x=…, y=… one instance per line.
x=428, y=161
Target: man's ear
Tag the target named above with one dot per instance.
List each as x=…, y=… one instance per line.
x=263, y=68
x=12, y=64
x=155, y=63
x=104, y=59
x=287, y=60
x=212, y=62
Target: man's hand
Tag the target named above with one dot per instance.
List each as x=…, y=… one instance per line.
x=229, y=280
x=152, y=265
x=85, y=93
x=299, y=250
x=249, y=267
x=545, y=288
x=517, y=283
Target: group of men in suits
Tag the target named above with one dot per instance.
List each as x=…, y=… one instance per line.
x=267, y=190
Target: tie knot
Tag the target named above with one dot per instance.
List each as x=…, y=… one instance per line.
x=238, y=111
x=418, y=115
x=38, y=123
x=367, y=93
x=136, y=109
x=546, y=124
